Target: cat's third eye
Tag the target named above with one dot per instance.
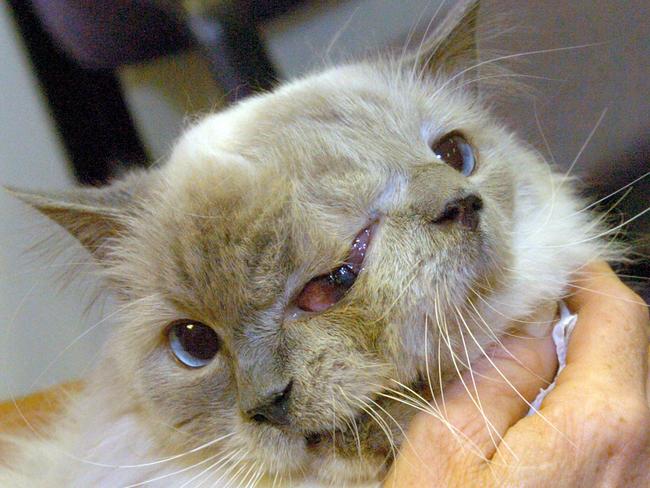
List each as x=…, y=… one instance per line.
x=326, y=290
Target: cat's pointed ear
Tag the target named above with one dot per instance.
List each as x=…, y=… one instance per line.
x=91, y=215
x=452, y=46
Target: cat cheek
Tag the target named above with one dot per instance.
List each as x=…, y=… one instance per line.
x=318, y=296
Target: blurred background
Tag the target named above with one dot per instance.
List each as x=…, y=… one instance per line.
x=91, y=88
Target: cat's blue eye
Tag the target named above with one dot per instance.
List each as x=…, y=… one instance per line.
x=455, y=151
x=194, y=344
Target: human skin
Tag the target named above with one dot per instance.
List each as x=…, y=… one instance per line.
x=592, y=430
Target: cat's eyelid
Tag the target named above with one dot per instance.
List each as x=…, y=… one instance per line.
x=431, y=132
x=324, y=291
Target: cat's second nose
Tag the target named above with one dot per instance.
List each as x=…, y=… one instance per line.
x=464, y=210
x=274, y=408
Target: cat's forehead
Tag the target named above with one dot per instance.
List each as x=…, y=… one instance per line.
x=344, y=116
x=335, y=147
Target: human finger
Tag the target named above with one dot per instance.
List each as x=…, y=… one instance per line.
x=478, y=409
x=608, y=349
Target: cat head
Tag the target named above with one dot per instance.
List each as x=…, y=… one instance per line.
x=307, y=254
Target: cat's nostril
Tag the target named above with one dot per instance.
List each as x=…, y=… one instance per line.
x=464, y=210
x=274, y=408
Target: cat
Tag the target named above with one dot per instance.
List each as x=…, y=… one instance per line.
x=302, y=261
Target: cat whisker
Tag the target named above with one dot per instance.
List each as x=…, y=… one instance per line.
x=441, y=319
x=602, y=217
x=426, y=359
x=397, y=424
x=615, y=192
x=416, y=403
x=338, y=33
x=504, y=348
x=436, y=311
x=584, y=276
x=508, y=317
x=375, y=416
x=275, y=479
x=357, y=437
x=387, y=431
x=428, y=410
x=167, y=459
x=471, y=309
x=446, y=338
x=484, y=353
x=86, y=332
x=31, y=427
x=554, y=188
x=467, y=366
x=333, y=425
x=174, y=473
x=227, y=472
x=500, y=76
x=423, y=40
x=406, y=400
x=540, y=128
x=232, y=478
x=245, y=476
x=523, y=398
x=351, y=423
x=596, y=292
x=512, y=56
x=411, y=33
x=259, y=473
x=598, y=236
x=584, y=145
x=416, y=396
x=479, y=405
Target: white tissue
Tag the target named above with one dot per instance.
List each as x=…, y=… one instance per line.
x=561, y=334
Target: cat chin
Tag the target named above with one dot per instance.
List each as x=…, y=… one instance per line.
x=346, y=456
x=332, y=458
x=333, y=471
x=278, y=452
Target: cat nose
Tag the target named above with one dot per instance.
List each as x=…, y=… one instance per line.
x=273, y=408
x=464, y=210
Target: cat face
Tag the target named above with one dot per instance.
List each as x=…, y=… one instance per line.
x=310, y=256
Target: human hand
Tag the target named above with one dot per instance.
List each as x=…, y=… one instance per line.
x=593, y=429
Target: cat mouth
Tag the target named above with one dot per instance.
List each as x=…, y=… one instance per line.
x=367, y=425
x=317, y=438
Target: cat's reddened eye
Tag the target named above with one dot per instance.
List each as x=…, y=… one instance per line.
x=454, y=150
x=326, y=290
x=194, y=344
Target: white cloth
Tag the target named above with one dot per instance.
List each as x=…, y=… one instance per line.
x=561, y=335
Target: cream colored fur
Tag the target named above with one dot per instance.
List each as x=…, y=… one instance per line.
x=253, y=203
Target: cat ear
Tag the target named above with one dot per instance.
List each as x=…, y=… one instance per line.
x=452, y=47
x=91, y=215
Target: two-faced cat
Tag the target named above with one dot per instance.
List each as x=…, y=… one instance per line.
x=298, y=256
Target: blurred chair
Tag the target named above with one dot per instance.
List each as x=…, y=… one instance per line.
x=76, y=46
